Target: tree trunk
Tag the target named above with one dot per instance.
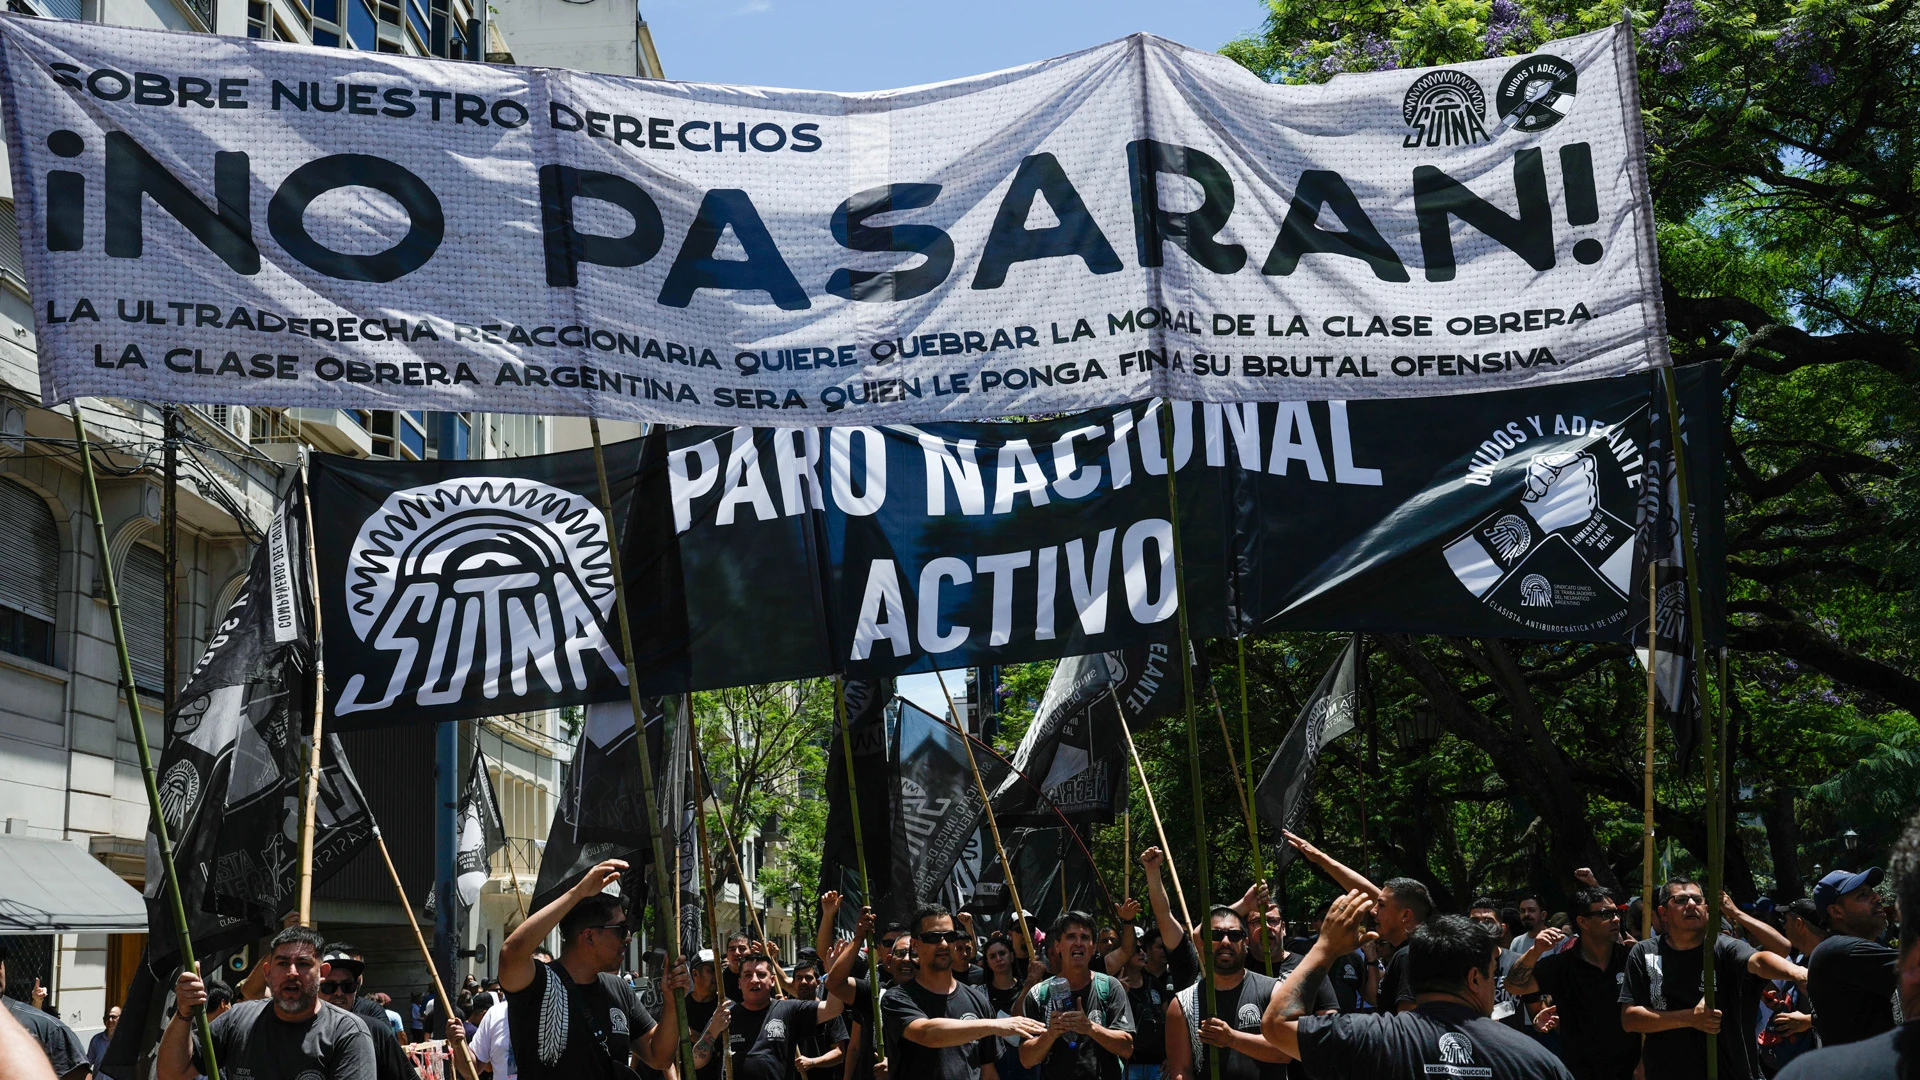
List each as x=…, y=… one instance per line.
x=1783, y=843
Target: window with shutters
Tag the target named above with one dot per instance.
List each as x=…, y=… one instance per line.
x=29, y=573
x=142, y=588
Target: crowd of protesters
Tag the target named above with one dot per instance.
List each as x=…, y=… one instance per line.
x=1378, y=984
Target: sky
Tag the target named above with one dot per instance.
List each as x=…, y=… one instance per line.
x=844, y=45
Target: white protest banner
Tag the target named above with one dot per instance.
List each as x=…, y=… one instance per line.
x=224, y=220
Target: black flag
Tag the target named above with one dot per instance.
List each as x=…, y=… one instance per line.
x=605, y=799
x=1073, y=750
x=936, y=804
x=866, y=708
x=231, y=770
x=480, y=834
x=1282, y=795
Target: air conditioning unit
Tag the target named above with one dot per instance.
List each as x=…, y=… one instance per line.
x=235, y=420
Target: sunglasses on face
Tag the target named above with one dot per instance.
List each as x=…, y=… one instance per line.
x=344, y=986
x=1604, y=913
x=1687, y=900
x=936, y=937
x=619, y=928
x=1223, y=933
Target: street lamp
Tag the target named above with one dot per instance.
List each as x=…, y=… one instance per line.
x=1419, y=728
x=1853, y=840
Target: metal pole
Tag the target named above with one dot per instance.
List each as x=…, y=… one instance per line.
x=993, y=826
x=859, y=851
x=182, y=933
x=1709, y=755
x=170, y=555
x=419, y=939
x=1647, y=885
x=310, y=791
x=662, y=889
x=1194, y=773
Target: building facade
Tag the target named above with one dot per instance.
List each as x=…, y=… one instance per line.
x=68, y=766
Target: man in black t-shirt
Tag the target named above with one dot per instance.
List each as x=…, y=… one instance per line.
x=1449, y=1031
x=1850, y=975
x=703, y=1003
x=822, y=1054
x=1234, y=1033
x=1403, y=905
x=573, y=1019
x=936, y=1027
x=341, y=971
x=1663, y=998
x=1584, y=982
x=290, y=1034
x=763, y=1032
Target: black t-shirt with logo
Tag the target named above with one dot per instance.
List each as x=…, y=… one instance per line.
x=250, y=1039
x=823, y=1039
x=1432, y=1041
x=1149, y=1004
x=1241, y=1007
x=762, y=1041
x=902, y=1005
x=563, y=1030
x=1851, y=981
x=1594, y=1045
x=1104, y=1000
x=1662, y=978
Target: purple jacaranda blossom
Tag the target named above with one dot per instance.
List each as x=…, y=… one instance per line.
x=1678, y=21
x=1507, y=25
x=1819, y=74
x=1368, y=52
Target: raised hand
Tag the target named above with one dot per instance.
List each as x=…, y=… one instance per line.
x=1127, y=912
x=1546, y=939
x=597, y=879
x=1152, y=858
x=1343, y=930
x=1584, y=876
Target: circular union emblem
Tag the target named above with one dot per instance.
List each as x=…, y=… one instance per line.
x=1536, y=93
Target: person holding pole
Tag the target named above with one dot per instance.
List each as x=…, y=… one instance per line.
x=573, y=1019
x=1661, y=996
x=1182, y=965
x=291, y=1033
x=937, y=1027
x=1234, y=1034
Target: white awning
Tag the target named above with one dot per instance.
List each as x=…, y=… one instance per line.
x=54, y=887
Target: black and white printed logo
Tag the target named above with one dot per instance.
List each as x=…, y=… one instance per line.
x=1535, y=93
x=1445, y=108
x=1560, y=557
x=498, y=583
x=1455, y=1049
x=1248, y=1016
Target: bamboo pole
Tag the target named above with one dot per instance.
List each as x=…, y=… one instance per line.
x=183, y=934
x=1153, y=808
x=1253, y=820
x=859, y=851
x=310, y=791
x=439, y=987
x=1647, y=885
x=739, y=868
x=993, y=826
x=1194, y=774
x=661, y=888
x=1126, y=854
x=706, y=882
x=1240, y=787
x=1709, y=755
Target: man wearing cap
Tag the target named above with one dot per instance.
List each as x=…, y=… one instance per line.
x=707, y=1013
x=1851, y=977
x=342, y=968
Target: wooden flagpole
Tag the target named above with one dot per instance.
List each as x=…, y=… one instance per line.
x=1153, y=808
x=725, y=1050
x=1648, y=885
x=183, y=934
x=1126, y=854
x=310, y=792
x=859, y=849
x=1246, y=758
x=420, y=939
x=739, y=868
x=993, y=826
x=1194, y=773
x=662, y=890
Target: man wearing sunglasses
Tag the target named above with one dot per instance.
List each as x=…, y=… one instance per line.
x=1241, y=997
x=573, y=1019
x=342, y=970
x=937, y=1027
x=1584, y=982
x=1089, y=1032
x=1661, y=994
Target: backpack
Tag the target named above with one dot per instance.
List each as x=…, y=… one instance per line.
x=1105, y=987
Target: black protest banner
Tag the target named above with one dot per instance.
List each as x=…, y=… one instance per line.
x=866, y=702
x=1073, y=750
x=605, y=797
x=472, y=587
x=479, y=834
x=936, y=805
x=1329, y=713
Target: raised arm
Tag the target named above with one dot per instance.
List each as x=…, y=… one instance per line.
x=516, y=953
x=829, y=911
x=1342, y=875
x=1171, y=932
x=1340, y=933
x=1127, y=913
x=1769, y=966
x=1760, y=932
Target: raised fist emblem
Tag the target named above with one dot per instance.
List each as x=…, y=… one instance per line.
x=1563, y=489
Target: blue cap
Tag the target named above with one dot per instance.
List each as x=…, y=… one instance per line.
x=1840, y=882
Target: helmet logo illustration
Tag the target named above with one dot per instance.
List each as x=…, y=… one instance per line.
x=499, y=580
x=1445, y=108
x=1536, y=591
x=1455, y=1049
x=1510, y=537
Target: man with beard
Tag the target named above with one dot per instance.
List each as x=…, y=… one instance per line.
x=573, y=1019
x=340, y=973
x=936, y=1027
x=292, y=1033
x=1234, y=1033
x=1089, y=1019
x=1584, y=982
x=1662, y=996
x=762, y=1032
x=1448, y=1032
x=1850, y=975
x=1533, y=919
x=707, y=1014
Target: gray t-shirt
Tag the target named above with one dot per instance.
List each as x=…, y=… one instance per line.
x=56, y=1038
x=253, y=1043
